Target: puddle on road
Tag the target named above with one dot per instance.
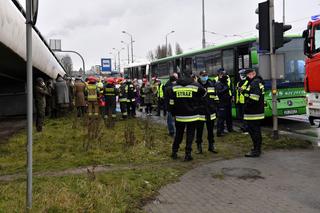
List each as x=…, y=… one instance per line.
x=240, y=173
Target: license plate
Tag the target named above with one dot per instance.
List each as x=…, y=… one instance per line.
x=290, y=112
x=314, y=112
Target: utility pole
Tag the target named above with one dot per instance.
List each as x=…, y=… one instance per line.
x=131, y=40
x=29, y=104
x=118, y=51
x=273, y=72
x=167, y=41
x=284, y=12
x=31, y=19
x=203, y=27
x=127, y=49
x=119, y=60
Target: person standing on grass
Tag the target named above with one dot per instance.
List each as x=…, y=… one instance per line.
x=254, y=110
x=184, y=105
x=93, y=101
x=131, y=98
x=207, y=112
x=40, y=102
x=80, y=94
x=222, y=90
x=110, y=96
x=160, y=98
x=167, y=87
x=241, y=86
x=148, y=98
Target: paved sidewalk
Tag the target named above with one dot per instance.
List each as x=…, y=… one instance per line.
x=279, y=181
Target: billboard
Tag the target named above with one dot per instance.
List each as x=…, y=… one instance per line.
x=55, y=44
x=106, y=65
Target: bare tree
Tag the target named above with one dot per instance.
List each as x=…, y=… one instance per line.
x=66, y=62
x=178, y=49
x=150, y=56
x=160, y=52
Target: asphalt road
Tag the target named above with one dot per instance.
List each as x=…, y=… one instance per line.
x=278, y=181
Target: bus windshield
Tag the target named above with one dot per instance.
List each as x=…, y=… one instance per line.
x=294, y=70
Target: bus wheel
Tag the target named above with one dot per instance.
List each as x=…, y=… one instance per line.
x=311, y=121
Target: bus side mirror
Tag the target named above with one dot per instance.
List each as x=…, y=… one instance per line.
x=254, y=57
x=306, y=44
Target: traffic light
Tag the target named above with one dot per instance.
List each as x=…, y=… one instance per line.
x=279, y=39
x=264, y=26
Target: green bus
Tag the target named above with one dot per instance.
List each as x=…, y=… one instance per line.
x=244, y=53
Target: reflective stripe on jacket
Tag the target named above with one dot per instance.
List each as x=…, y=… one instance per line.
x=184, y=100
x=160, y=90
x=254, y=100
x=92, y=92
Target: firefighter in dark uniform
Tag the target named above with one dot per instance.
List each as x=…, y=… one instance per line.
x=254, y=110
x=110, y=96
x=131, y=98
x=40, y=102
x=223, y=92
x=241, y=86
x=207, y=112
x=184, y=100
x=123, y=94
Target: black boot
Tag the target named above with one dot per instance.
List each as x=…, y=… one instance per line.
x=199, y=148
x=188, y=157
x=211, y=148
x=174, y=155
x=252, y=154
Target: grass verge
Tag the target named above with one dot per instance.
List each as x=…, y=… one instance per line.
x=123, y=191
x=62, y=145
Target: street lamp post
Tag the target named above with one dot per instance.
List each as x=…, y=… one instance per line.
x=284, y=12
x=118, y=51
x=203, y=27
x=115, y=60
x=128, y=50
x=167, y=41
x=131, y=41
x=31, y=19
x=29, y=103
x=71, y=51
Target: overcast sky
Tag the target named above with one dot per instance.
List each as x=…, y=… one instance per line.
x=94, y=27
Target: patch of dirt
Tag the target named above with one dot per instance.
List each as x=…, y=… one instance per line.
x=10, y=126
x=242, y=173
x=106, y=168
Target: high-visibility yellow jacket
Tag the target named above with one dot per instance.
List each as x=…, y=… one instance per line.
x=241, y=86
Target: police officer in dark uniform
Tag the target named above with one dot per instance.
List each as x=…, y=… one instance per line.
x=184, y=99
x=241, y=86
x=225, y=98
x=207, y=111
x=254, y=110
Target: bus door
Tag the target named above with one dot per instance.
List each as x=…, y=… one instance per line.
x=187, y=66
x=243, y=60
x=177, y=66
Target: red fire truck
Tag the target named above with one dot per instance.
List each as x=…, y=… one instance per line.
x=312, y=77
